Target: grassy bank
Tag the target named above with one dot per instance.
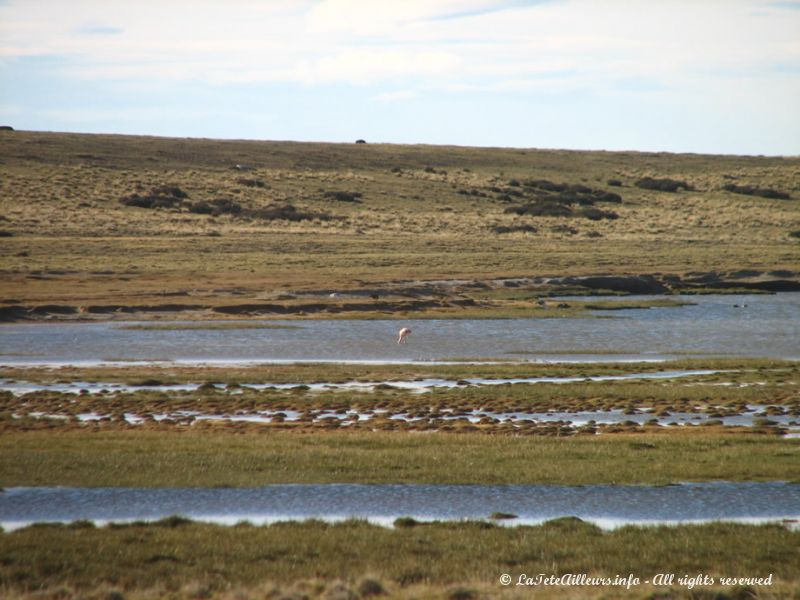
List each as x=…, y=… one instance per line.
x=203, y=458
x=739, y=370
x=174, y=558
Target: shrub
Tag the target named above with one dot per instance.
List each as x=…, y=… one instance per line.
x=567, y=193
x=345, y=196
x=472, y=192
x=564, y=229
x=406, y=522
x=462, y=594
x=370, y=587
x=165, y=196
x=794, y=234
x=256, y=183
x=201, y=208
x=601, y=196
x=217, y=207
x=172, y=522
x=286, y=212
x=150, y=201
x=614, y=183
x=225, y=206
x=595, y=214
x=543, y=184
x=750, y=190
x=662, y=185
x=541, y=208
x=169, y=190
x=514, y=229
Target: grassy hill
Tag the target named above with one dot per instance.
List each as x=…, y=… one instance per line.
x=120, y=221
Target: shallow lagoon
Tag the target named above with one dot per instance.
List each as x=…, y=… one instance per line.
x=608, y=506
x=729, y=325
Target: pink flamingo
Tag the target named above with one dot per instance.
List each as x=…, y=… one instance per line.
x=403, y=334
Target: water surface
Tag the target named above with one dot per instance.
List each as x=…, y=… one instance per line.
x=742, y=325
x=605, y=505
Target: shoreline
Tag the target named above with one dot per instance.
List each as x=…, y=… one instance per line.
x=499, y=298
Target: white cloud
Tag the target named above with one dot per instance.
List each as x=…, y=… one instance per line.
x=381, y=17
x=370, y=41
x=370, y=65
x=395, y=96
x=737, y=54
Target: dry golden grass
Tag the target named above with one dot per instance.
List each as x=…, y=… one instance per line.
x=73, y=242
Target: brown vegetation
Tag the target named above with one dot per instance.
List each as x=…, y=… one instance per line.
x=433, y=213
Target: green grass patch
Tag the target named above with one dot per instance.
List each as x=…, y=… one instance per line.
x=205, y=458
x=332, y=372
x=183, y=557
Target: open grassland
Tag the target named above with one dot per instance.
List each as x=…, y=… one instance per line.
x=179, y=559
x=380, y=218
x=205, y=458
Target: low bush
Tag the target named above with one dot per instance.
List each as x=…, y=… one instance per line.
x=344, y=196
x=750, y=190
x=569, y=193
x=217, y=207
x=254, y=183
x=175, y=198
x=169, y=190
x=286, y=212
x=662, y=185
x=514, y=229
x=560, y=204
x=541, y=208
x=601, y=196
x=595, y=214
x=564, y=229
x=150, y=201
x=165, y=196
x=472, y=192
x=543, y=184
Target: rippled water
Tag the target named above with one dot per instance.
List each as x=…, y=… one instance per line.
x=764, y=326
x=605, y=505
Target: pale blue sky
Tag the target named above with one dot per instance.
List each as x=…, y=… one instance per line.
x=720, y=76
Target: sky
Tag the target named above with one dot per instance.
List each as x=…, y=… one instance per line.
x=705, y=76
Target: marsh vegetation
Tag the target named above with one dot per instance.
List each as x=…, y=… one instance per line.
x=180, y=559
